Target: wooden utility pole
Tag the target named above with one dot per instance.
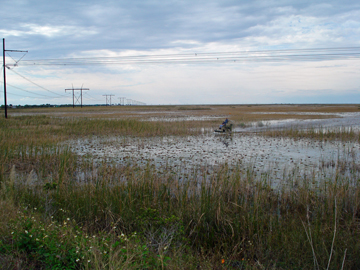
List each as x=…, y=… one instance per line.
x=4, y=65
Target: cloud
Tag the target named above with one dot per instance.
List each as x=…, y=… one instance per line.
x=62, y=29
x=49, y=31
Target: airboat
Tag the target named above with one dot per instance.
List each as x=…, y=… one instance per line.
x=225, y=129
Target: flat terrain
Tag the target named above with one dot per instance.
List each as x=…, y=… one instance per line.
x=154, y=187
x=237, y=112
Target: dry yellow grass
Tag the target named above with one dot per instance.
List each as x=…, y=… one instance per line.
x=235, y=112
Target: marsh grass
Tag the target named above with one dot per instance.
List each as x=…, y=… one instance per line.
x=225, y=219
x=198, y=108
x=322, y=134
x=30, y=142
x=231, y=216
x=237, y=113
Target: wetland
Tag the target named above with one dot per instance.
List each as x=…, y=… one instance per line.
x=154, y=187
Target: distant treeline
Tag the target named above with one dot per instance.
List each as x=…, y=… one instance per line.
x=11, y=106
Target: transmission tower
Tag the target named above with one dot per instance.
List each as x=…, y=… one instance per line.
x=122, y=101
x=77, y=99
x=108, y=99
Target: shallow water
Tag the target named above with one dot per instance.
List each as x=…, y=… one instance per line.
x=342, y=120
x=273, y=156
x=182, y=118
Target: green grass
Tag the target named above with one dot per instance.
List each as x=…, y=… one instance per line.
x=132, y=217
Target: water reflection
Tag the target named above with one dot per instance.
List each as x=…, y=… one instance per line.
x=225, y=139
x=340, y=121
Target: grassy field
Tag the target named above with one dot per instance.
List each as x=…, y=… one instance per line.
x=236, y=112
x=125, y=216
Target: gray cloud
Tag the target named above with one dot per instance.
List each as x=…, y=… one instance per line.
x=57, y=29
x=156, y=24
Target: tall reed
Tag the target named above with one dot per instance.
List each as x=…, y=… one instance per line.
x=226, y=215
x=223, y=216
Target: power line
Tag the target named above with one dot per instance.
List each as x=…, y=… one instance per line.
x=282, y=55
x=10, y=93
x=36, y=84
x=209, y=53
x=33, y=93
x=45, y=96
x=26, y=90
x=216, y=60
x=91, y=97
x=312, y=54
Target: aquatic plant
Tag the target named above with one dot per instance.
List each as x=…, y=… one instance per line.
x=171, y=219
x=319, y=133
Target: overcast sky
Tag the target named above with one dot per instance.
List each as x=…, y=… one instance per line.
x=65, y=29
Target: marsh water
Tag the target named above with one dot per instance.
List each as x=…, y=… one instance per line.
x=273, y=156
x=336, y=121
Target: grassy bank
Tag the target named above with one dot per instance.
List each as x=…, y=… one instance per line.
x=131, y=217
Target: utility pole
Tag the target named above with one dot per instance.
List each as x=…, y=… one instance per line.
x=4, y=65
x=108, y=99
x=77, y=98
